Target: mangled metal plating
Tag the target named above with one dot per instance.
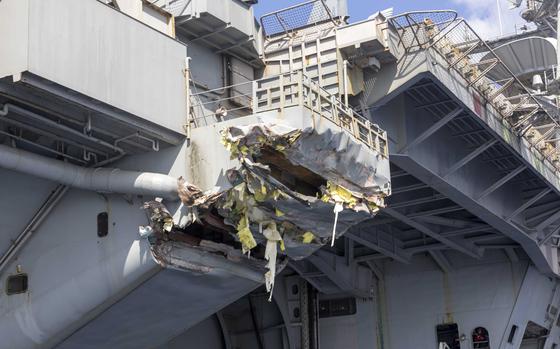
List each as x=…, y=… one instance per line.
x=177, y=248
x=286, y=193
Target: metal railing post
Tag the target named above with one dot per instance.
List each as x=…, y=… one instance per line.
x=189, y=120
x=454, y=52
x=334, y=109
x=300, y=88
x=282, y=95
x=355, y=127
x=255, y=86
x=369, y=136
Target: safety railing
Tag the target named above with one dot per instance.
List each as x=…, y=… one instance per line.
x=296, y=88
x=460, y=49
x=278, y=93
x=540, y=9
x=290, y=19
x=208, y=106
x=411, y=29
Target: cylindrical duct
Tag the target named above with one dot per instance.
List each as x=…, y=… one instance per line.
x=97, y=179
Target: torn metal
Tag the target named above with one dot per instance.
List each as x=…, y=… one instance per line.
x=196, y=248
x=305, y=184
x=287, y=197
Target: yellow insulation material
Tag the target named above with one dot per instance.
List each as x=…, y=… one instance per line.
x=245, y=236
x=337, y=193
x=308, y=237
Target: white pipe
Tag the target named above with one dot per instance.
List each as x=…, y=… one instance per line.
x=345, y=77
x=557, y=39
x=500, y=18
x=97, y=179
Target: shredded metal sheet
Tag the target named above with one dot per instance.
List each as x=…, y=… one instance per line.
x=330, y=153
x=341, y=178
x=348, y=168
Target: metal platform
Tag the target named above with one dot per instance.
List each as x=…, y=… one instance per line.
x=225, y=26
x=468, y=175
x=111, y=86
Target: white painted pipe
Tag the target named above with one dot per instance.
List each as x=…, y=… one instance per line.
x=106, y=180
x=500, y=18
x=345, y=77
x=557, y=39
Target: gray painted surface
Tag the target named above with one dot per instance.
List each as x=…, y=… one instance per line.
x=72, y=272
x=420, y=296
x=78, y=276
x=350, y=331
x=430, y=160
x=206, y=334
x=490, y=117
x=99, y=52
x=236, y=13
x=109, y=293
x=15, y=189
x=159, y=310
x=206, y=69
x=208, y=157
x=105, y=180
x=525, y=56
x=14, y=29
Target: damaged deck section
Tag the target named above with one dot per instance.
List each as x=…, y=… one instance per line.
x=287, y=181
x=195, y=248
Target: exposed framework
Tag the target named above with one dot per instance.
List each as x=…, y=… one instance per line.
x=296, y=17
x=459, y=47
x=543, y=13
x=423, y=220
x=284, y=91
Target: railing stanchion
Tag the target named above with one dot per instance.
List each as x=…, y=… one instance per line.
x=369, y=139
x=336, y=118
x=309, y=94
x=282, y=95
x=300, y=87
x=255, y=86
x=454, y=40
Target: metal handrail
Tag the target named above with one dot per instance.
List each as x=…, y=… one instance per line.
x=409, y=17
x=287, y=90
x=292, y=10
x=347, y=110
x=527, y=98
x=311, y=95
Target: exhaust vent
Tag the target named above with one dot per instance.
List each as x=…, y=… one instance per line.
x=16, y=284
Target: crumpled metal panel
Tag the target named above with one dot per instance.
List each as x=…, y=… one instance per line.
x=339, y=158
x=335, y=154
x=295, y=185
x=347, y=168
x=312, y=153
x=292, y=184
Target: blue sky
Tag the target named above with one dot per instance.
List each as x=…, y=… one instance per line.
x=360, y=9
x=482, y=14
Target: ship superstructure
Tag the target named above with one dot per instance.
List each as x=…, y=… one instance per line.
x=177, y=174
